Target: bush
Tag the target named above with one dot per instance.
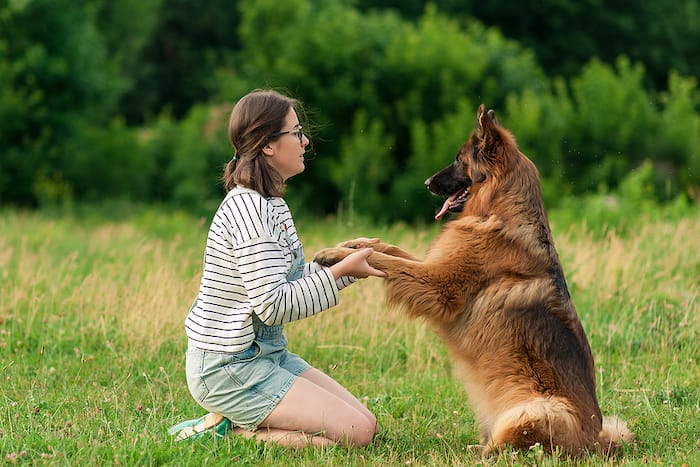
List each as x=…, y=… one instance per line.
x=189, y=157
x=106, y=162
x=676, y=150
x=589, y=134
x=55, y=80
x=390, y=100
x=611, y=127
x=621, y=210
x=401, y=81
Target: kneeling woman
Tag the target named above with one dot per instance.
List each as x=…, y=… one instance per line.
x=255, y=280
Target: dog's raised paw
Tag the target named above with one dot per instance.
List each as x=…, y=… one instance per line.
x=327, y=257
x=359, y=243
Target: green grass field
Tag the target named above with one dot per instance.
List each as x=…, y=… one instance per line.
x=92, y=344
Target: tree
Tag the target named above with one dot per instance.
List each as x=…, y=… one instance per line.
x=175, y=64
x=54, y=75
x=566, y=34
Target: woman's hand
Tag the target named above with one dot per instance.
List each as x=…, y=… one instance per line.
x=355, y=264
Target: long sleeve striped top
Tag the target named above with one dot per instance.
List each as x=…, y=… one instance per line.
x=250, y=250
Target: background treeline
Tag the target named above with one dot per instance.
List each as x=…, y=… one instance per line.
x=130, y=99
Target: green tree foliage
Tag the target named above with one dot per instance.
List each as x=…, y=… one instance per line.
x=364, y=165
x=172, y=61
x=54, y=75
x=566, y=34
x=129, y=30
x=390, y=98
x=602, y=125
x=199, y=155
x=376, y=70
x=607, y=104
x=188, y=157
x=676, y=150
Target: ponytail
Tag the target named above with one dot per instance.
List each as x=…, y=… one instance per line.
x=227, y=177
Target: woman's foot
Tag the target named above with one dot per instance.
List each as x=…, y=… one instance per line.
x=212, y=423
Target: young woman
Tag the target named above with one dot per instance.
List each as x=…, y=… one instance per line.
x=255, y=280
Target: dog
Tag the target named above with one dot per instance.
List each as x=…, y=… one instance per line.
x=492, y=287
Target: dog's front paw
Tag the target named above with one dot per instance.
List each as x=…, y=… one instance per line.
x=358, y=243
x=328, y=257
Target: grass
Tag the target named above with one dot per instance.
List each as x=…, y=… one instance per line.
x=92, y=344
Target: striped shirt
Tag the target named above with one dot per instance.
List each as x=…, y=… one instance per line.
x=251, y=248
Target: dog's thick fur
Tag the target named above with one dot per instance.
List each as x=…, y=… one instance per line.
x=493, y=289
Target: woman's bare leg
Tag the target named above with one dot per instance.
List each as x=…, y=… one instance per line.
x=321, y=379
x=315, y=412
x=288, y=438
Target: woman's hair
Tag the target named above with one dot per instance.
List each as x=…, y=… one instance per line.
x=254, y=118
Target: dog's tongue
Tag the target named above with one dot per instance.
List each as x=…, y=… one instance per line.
x=446, y=205
x=444, y=208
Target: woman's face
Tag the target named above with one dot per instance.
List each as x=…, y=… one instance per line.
x=286, y=152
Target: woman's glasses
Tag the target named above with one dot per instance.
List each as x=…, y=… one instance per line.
x=298, y=133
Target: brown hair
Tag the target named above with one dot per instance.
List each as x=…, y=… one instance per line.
x=254, y=118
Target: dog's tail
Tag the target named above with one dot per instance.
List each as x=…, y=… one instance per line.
x=614, y=435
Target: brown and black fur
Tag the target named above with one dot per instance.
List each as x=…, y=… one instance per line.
x=492, y=287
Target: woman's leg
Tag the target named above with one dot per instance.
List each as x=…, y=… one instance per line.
x=287, y=438
x=316, y=412
x=321, y=379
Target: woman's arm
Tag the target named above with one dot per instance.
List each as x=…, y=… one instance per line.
x=275, y=300
x=341, y=282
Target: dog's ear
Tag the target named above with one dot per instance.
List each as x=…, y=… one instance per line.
x=486, y=123
x=486, y=129
x=479, y=130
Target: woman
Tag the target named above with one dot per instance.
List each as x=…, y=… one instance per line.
x=255, y=280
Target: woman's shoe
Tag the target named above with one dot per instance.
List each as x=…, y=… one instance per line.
x=212, y=423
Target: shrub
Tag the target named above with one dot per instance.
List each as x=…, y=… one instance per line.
x=402, y=80
x=189, y=157
x=55, y=80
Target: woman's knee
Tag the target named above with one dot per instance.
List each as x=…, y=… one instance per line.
x=363, y=433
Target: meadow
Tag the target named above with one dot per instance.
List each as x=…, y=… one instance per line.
x=92, y=343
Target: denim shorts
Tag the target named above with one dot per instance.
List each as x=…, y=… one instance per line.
x=245, y=386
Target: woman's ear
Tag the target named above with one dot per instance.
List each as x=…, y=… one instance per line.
x=267, y=150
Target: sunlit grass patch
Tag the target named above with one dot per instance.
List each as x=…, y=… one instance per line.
x=92, y=345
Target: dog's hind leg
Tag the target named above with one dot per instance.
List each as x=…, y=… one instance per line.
x=545, y=421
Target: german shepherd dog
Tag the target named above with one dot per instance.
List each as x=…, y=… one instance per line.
x=492, y=287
